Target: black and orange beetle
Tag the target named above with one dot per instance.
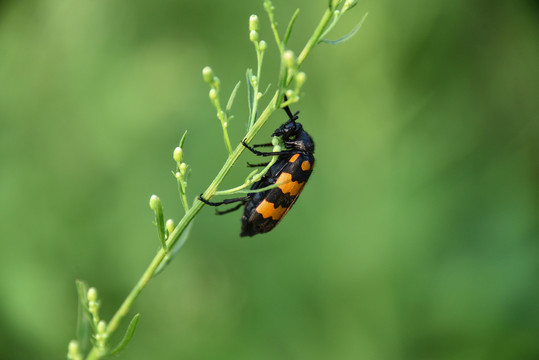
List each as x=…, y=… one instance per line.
x=264, y=210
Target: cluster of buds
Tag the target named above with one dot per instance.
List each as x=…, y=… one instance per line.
x=73, y=351
x=182, y=167
x=93, y=304
x=253, y=33
x=100, y=325
x=214, y=82
x=290, y=62
x=101, y=336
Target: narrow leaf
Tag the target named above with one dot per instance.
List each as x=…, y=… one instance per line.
x=348, y=36
x=290, y=26
x=183, y=139
x=83, y=321
x=127, y=337
x=231, y=98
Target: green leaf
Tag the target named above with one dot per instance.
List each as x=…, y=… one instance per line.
x=232, y=96
x=127, y=337
x=183, y=139
x=290, y=26
x=175, y=249
x=83, y=316
x=348, y=36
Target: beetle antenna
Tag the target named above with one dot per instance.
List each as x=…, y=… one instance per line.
x=291, y=117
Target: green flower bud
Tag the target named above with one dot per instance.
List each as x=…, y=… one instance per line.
x=73, y=351
x=178, y=175
x=183, y=168
x=213, y=94
x=92, y=294
x=289, y=59
x=253, y=23
x=254, y=80
x=207, y=74
x=178, y=154
x=169, y=226
x=101, y=327
x=300, y=78
x=290, y=94
x=155, y=203
x=253, y=36
x=348, y=4
x=262, y=45
x=216, y=82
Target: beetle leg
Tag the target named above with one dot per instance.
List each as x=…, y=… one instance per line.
x=229, y=210
x=263, y=153
x=226, y=201
x=257, y=165
x=263, y=145
x=291, y=117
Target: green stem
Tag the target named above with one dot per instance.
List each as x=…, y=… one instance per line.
x=315, y=37
x=125, y=307
x=259, y=58
x=180, y=228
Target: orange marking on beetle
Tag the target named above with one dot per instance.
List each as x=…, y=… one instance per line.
x=267, y=209
x=293, y=158
x=306, y=165
x=288, y=186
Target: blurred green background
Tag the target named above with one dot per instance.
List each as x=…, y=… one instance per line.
x=416, y=237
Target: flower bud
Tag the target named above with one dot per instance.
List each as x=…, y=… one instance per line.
x=92, y=294
x=178, y=154
x=253, y=23
x=73, y=351
x=207, y=74
x=253, y=36
x=101, y=327
x=290, y=94
x=348, y=4
x=183, y=168
x=300, y=78
x=213, y=94
x=289, y=59
x=155, y=203
x=169, y=226
x=178, y=175
x=262, y=45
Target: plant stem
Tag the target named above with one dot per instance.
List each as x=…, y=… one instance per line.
x=275, y=102
x=315, y=37
x=182, y=225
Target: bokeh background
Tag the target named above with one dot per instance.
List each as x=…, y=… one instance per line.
x=416, y=237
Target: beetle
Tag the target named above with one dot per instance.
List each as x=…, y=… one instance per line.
x=265, y=209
